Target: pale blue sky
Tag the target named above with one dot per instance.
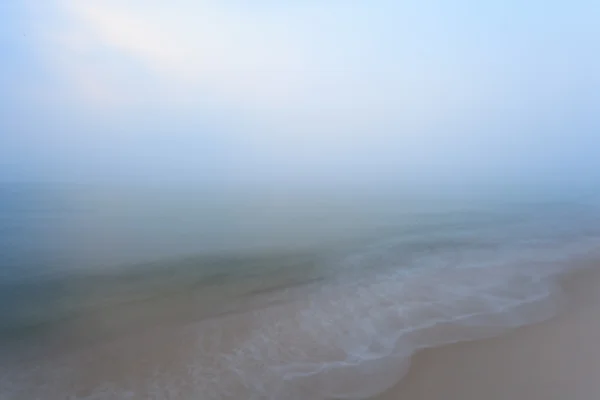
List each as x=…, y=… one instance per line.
x=197, y=90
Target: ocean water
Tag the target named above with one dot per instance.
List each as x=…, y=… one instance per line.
x=122, y=293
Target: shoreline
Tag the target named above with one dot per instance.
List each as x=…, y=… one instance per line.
x=532, y=362
x=555, y=359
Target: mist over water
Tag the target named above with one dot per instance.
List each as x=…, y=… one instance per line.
x=265, y=294
x=284, y=200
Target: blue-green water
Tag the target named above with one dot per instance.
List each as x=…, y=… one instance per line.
x=219, y=294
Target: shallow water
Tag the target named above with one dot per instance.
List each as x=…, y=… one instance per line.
x=144, y=295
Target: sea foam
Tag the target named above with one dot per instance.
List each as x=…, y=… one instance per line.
x=346, y=338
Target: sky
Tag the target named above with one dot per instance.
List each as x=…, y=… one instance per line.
x=207, y=91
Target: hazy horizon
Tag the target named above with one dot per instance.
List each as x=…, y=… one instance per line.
x=225, y=199
x=296, y=93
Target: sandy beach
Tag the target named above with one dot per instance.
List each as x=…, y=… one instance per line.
x=557, y=359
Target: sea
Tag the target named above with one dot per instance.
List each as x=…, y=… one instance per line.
x=265, y=293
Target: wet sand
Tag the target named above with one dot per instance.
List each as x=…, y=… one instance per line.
x=557, y=359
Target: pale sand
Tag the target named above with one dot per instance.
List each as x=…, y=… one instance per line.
x=558, y=359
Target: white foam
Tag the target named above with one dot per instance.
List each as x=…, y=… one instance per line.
x=351, y=339
x=354, y=341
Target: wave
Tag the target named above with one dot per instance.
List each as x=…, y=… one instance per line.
x=349, y=338
x=354, y=341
